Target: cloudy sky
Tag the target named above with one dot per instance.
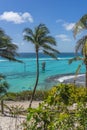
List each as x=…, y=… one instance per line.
x=58, y=15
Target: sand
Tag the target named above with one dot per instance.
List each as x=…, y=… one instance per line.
x=25, y=104
x=10, y=123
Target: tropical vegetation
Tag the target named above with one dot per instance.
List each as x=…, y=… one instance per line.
x=42, y=41
x=8, y=51
x=65, y=105
x=81, y=45
x=63, y=109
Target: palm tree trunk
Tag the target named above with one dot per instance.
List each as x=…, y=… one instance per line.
x=86, y=76
x=2, y=107
x=37, y=78
x=86, y=70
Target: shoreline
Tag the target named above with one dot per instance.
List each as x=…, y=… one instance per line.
x=68, y=78
x=61, y=78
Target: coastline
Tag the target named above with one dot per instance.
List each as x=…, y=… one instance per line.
x=68, y=78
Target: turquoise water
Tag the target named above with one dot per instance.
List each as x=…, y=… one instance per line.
x=21, y=76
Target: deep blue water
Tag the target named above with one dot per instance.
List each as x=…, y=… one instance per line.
x=21, y=76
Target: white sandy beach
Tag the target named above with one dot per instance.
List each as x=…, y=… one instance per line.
x=11, y=123
x=64, y=78
x=25, y=104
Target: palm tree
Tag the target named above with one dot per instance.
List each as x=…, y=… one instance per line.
x=81, y=46
x=42, y=40
x=81, y=43
x=3, y=90
x=7, y=48
x=8, y=51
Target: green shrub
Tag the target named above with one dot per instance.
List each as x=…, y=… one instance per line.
x=68, y=94
x=57, y=111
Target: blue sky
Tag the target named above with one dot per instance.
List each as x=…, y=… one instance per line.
x=58, y=15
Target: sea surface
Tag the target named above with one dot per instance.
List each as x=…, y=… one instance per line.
x=21, y=76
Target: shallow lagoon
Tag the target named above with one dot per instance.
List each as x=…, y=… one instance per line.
x=21, y=76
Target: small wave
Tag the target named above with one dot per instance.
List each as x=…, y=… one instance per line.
x=62, y=79
x=2, y=60
x=47, y=59
x=64, y=58
x=42, y=59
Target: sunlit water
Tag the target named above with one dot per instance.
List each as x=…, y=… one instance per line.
x=21, y=76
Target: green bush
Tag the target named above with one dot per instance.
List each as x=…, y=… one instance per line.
x=57, y=111
x=68, y=94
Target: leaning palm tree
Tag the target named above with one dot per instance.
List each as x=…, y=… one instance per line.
x=81, y=46
x=8, y=51
x=7, y=48
x=82, y=43
x=42, y=40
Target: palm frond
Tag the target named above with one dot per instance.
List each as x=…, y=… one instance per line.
x=75, y=59
x=77, y=72
x=28, y=31
x=48, y=39
x=47, y=47
x=78, y=28
x=3, y=87
x=10, y=57
x=28, y=38
x=78, y=69
x=80, y=25
x=81, y=45
x=40, y=38
x=7, y=48
x=41, y=28
x=40, y=31
x=1, y=32
x=53, y=55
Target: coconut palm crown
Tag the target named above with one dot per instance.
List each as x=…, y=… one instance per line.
x=7, y=48
x=42, y=41
x=81, y=45
x=80, y=25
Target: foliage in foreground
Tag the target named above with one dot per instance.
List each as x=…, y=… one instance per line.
x=64, y=109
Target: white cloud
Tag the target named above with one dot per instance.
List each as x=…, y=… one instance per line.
x=68, y=26
x=63, y=37
x=16, y=17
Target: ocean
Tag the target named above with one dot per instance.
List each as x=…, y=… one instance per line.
x=21, y=76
